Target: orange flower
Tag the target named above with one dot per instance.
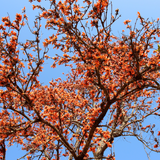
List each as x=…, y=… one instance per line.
x=127, y=21
x=108, y=144
x=155, y=146
x=18, y=17
x=138, y=13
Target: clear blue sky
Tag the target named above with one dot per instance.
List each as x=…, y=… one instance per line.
x=125, y=149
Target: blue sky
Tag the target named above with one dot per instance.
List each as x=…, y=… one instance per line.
x=125, y=149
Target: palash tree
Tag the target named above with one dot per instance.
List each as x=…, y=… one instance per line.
x=108, y=93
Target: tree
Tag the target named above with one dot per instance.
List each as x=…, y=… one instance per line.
x=109, y=93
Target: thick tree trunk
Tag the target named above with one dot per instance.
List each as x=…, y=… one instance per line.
x=98, y=157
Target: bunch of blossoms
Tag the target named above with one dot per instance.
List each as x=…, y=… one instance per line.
x=108, y=93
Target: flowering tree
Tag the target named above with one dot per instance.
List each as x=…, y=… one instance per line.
x=109, y=92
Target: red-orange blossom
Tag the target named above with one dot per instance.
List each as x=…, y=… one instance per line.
x=108, y=93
